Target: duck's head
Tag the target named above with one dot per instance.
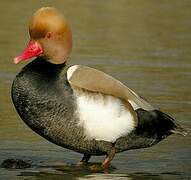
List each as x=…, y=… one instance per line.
x=50, y=37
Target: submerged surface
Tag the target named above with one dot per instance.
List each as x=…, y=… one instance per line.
x=145, y=44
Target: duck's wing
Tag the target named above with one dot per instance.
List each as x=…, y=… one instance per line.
x=97, y=81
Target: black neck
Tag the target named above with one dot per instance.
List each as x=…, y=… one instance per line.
x=43, y=67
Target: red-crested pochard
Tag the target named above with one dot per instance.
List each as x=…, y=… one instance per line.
x=78, y=107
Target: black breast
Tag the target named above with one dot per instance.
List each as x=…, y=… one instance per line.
x=44, y=100
x=39, y=91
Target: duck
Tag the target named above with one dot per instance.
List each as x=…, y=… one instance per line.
x=78, y=107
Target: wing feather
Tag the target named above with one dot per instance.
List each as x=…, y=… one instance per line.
x=98, y=81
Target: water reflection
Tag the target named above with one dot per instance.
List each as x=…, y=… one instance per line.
x=82, y=175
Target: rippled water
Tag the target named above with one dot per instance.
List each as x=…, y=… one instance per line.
x=145, y=44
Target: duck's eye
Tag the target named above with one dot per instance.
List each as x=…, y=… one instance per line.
x=49, y=35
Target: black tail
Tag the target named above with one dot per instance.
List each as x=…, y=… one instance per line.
x=153, y=126
x=175, y=128
x=156, y=124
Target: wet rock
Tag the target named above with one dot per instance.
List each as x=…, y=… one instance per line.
x=15, y=164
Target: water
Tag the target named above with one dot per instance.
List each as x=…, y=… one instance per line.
x=145, y=44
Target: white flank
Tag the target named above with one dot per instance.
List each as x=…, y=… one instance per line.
x=103, y=117
x=70, y=71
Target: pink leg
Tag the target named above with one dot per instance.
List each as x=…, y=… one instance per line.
x=108, y=158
